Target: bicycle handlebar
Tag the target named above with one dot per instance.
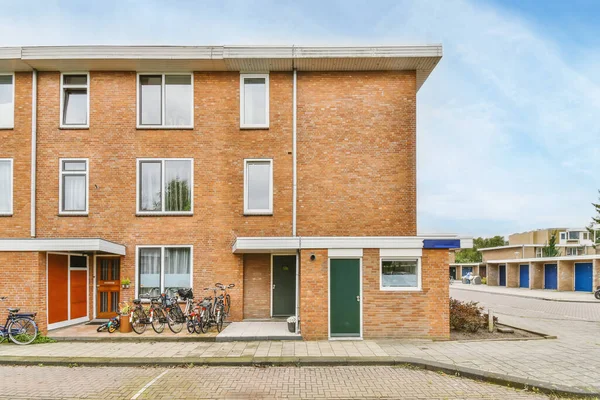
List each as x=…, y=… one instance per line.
x=3, y=298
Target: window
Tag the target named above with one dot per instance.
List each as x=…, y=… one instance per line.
x=401, y=274
x=254, y=100
x=165, y=186
x=258, y=186
x=74, y=102
x=73, y=193
x=6, y=186
x=574, y=235
x=163, y=269
x=563, y=236
x=538, y=251
x=574, y=251
x=7, y=101
x=586, y=235
x=165, y=101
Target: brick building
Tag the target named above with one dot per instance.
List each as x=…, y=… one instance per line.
x=288, y=171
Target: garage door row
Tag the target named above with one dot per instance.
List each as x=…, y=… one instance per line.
x=563, y=275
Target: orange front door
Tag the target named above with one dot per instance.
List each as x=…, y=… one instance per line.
x=58, y=288
x=108, y=277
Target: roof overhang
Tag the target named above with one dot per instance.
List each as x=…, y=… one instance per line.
x=420, y=58
x=510, y=246
x=286, y=244
x=74, y=244
x=588, y=257
x=466, y=264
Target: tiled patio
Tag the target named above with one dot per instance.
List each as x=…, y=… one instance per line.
x=257, y=330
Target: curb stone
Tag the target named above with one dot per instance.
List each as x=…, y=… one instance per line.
x=450, y=369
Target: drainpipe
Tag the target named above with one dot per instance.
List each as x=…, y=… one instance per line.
x=295, y=196
x=33, y=147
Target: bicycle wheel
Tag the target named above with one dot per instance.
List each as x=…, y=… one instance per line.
x=191, y=326
x=112, y=328
x=102, y=327
x=138, y=321
x=219, y=320
x=22, y=331
x=174, y=319
x=227, y=304
x=158, y=321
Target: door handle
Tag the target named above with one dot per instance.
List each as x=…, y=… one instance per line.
x=273, y=287
x=358, y=298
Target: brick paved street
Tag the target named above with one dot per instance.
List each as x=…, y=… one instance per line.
x=245, y=383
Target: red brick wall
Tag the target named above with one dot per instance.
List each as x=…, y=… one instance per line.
x=357, y=154
x=313, y=295
x=257, y=286
x=23, y=281
x=16, y=144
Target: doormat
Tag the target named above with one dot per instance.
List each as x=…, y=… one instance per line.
x=96, y=322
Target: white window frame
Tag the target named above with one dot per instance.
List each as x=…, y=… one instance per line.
x=163, y=103
x=62, y=100
x=60, y=185
x=138, y=186
x=419, y=286
x=539, y=252
x=12, y=187
x=243, y=98
x=247, y=210
x=162, y=260
x=569, y=235
x=13, y=100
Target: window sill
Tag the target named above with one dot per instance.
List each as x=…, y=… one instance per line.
x=6, y=215
x=258, y=214
x=74, y=127
x=163, y=214
x=7, y=128
x=73, y=214
x=254, y=127
x=160, y=127
x=406, y=290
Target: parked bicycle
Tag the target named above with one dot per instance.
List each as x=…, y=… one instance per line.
x=111, y=326
x=227, y=298
x=153, y=315
x=175, y=317
x=20, y=328
x=213, y=311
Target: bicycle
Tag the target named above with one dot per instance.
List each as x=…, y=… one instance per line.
x=227, y=299
x=111, y=326
x=215, y=314
x=19, y=328
x=175, y=317
x=153, y=315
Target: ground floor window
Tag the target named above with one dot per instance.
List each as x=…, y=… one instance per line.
x=401, y=274
x=575, y=251
x=163, y=269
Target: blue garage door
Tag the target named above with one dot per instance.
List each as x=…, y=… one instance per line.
x=550, y=277
x=583, y=277
x=524, y=276
x=502, y=275
x=466, y=270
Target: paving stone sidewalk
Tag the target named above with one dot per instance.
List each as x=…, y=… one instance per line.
x=551, y=295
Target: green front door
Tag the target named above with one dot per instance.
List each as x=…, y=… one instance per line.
x=284, y=286
x=344, y=297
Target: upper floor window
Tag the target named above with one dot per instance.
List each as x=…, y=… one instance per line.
x=6, y=186
x=254, y=100
x=574, y=251
x=563, y=236
x=7, y=101
x=401, y=274
x=165, y=186
x=74, y=102
x=574, y=235
x=258, y=186
x=165, y=101
x=73, y=193
x=539, y=251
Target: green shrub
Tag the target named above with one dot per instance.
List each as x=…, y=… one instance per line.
x=467, y=317
x=484, y=281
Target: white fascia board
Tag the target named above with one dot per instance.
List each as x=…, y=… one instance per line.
x=268, y=244
x=76, y=244
x=510, y=246
x=589, y=257
x=466, y=264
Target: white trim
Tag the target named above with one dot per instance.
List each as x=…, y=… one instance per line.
x=138, y=191
x=243, y=99
x=419, y=286
x=162, y=260
x=163, y=103
x=351, y=253
x=510, y=246
x=266, y=211
x=70, y=322
x=546, y=259
x=62, y=125
x=279, y=243
x=66, y=245
x=12, y=74
x=33, y=173
x=61, y=173
x=360, y=280
x=294, y=155
x=11, y=162
x=401, y=253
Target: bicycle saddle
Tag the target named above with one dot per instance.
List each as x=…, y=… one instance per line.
x=137, y=301
x=13, y=310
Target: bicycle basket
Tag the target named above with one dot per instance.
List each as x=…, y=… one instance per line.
x=185, y=293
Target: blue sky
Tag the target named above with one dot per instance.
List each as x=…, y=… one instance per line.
x=508, y=138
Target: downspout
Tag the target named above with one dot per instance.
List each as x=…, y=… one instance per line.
x=33, y=148
x=295, y=195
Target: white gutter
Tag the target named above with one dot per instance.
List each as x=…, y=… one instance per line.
x=294, y=158
x=33, y=148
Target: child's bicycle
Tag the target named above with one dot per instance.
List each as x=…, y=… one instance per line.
x=111, y=326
